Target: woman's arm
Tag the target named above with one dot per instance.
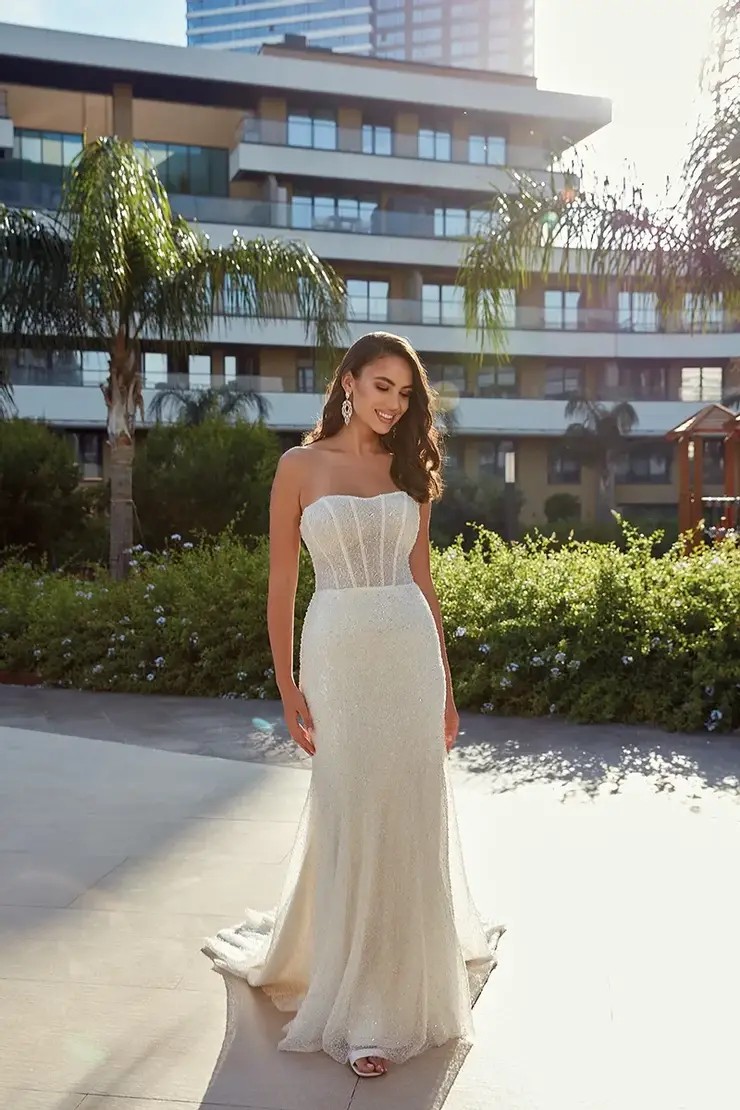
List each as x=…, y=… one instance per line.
x=285, y=544
x=422, y=574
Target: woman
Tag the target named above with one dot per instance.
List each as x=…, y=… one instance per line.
x=375, y=925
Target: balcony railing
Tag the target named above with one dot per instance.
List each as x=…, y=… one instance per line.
x=327, y=137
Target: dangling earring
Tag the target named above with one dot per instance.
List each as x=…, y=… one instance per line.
x=347, y=408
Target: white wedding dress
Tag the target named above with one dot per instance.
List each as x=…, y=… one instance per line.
x=375, y=926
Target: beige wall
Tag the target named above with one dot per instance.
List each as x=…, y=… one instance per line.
x=189, y=124
x=52, y=110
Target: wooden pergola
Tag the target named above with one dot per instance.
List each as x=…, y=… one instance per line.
x=714, y=422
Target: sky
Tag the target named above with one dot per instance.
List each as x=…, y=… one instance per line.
x=644, y=55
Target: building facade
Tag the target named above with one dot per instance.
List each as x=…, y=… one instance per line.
x=474, y=34
x=382, y=167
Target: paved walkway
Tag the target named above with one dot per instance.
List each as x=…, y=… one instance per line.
x=610, y=853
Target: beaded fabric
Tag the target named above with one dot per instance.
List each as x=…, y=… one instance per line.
x=376, y=941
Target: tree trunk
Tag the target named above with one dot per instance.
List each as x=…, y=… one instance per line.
x=607, y=495
x=123, y=398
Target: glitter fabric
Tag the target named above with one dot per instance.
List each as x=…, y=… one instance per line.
x=375, y=926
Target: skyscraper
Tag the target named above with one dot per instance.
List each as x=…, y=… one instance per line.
x=478, y=34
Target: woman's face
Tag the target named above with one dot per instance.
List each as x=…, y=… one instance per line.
x=380, y=393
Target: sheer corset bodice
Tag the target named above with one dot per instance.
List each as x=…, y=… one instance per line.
x=361, y=541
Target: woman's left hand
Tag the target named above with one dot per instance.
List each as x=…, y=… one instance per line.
x=452, y=722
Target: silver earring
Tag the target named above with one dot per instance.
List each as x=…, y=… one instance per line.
x=347, y=408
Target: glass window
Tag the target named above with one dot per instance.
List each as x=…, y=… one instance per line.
x=51, y=150
x=561, y=309
x=229, y=368
x=562, y=468
x=492, y=458
x=497, y=381
x=71, y=147
x=701, y=383
x=442, y=304
x=199, y=370
x=713, y=462
x=427, y=34
x=425, y=53
x=300, y=130
x=426, y=15
x=487, y=150
x=390, y=19
x=435, y=144
x=306, y=377
x=448, y=373
x=376, y=139
x=703, y=315
x=562, y=382
x=155, y=368
x=368, y=300
x=451, y=222
x=301, y=212
x=642, y=382
x=637, y=311
x=645, y=464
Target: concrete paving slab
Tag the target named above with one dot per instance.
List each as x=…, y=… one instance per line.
x=32, y=879
x=14, y=1098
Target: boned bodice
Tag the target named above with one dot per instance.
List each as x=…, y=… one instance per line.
x=361, y=541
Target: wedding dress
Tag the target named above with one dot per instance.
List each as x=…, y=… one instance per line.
x=375, y=926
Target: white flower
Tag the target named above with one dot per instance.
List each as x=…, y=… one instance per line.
x=193, y=637
x=125, y=620
x=187, y=545
x=37, y=653
x=538, y=661
x=574, y=664
x=176, y=536
x=555, y=672
x=716, y=715
x=134, y=563
x=138, y=547
x=269, y=672
x=460, y=631
x=560, y=657
x=241, y=675
x=111, y=652
x=504, y=682
x=709, y=691
x=553, y=708
x=150, y=677
x=66, y=641
x=627, y=659
x=67, y=655
x=159, y=661
x=122, y=637
x=655, y=641
x=511, y=667
x=158, y=609
x=488, y=707
x=261, y=692
x=161, y=620
x=484, y=648
x=149, y=587
x=97, y=668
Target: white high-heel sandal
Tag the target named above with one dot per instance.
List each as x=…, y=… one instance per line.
x=362, y=1054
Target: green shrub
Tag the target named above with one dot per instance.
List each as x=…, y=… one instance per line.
x=43, y=510
x=585, y=630
x=198, y=479
x=562, y=506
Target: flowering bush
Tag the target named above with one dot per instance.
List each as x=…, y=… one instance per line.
x=589, y=631
x=594, y=632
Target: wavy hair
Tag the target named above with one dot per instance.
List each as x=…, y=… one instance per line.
x=415, y=441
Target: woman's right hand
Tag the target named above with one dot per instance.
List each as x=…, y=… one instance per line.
x=298, y=718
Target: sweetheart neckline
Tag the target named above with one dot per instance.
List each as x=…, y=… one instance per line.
x=355, y=497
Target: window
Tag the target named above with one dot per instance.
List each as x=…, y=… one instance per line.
x=642, y=382
x=435, y=144
x=40, y=156
x=376, y=139
x=88, y=448
x=487, y=150
x=199, y=370
x=368, y=300
x=306, y=377
x=442, y=304
x=318, y=131
x=192, y=170
x=427, y=34
x=389, y=5
x=453, y=374
x=562, y=382
x=714, y=462
x=492, y=457
x=703, y=315
x=229, y=368
x=506, y=307
x=426, y=15
x=497, y=381
x=637, y=311
x=454, y=454
x=391, y=38
x=425, y=53
x=155, y=369
x=390, y=19
x=562, y=468
x=465, y=48
x=701, y=383
x=645, y=464
x=451, y=222
x=561, y=309
x=331, y=213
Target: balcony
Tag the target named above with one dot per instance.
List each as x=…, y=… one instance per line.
x=320, y=148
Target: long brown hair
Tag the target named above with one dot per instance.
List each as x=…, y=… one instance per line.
x=414, y=442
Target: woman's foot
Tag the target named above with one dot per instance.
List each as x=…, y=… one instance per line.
x=370, y=1065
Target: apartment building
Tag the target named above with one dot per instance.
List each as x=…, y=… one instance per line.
x=473, y=34
x=381, y=166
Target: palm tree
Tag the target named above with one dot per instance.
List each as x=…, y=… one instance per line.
x=689, y=245
x=195, y=406
x=114, y=268
x=597, y=438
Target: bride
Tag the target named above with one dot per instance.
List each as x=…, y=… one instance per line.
x=376, y=941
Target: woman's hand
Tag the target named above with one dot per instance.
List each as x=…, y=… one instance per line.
x=452, y=721
x=298, y=718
